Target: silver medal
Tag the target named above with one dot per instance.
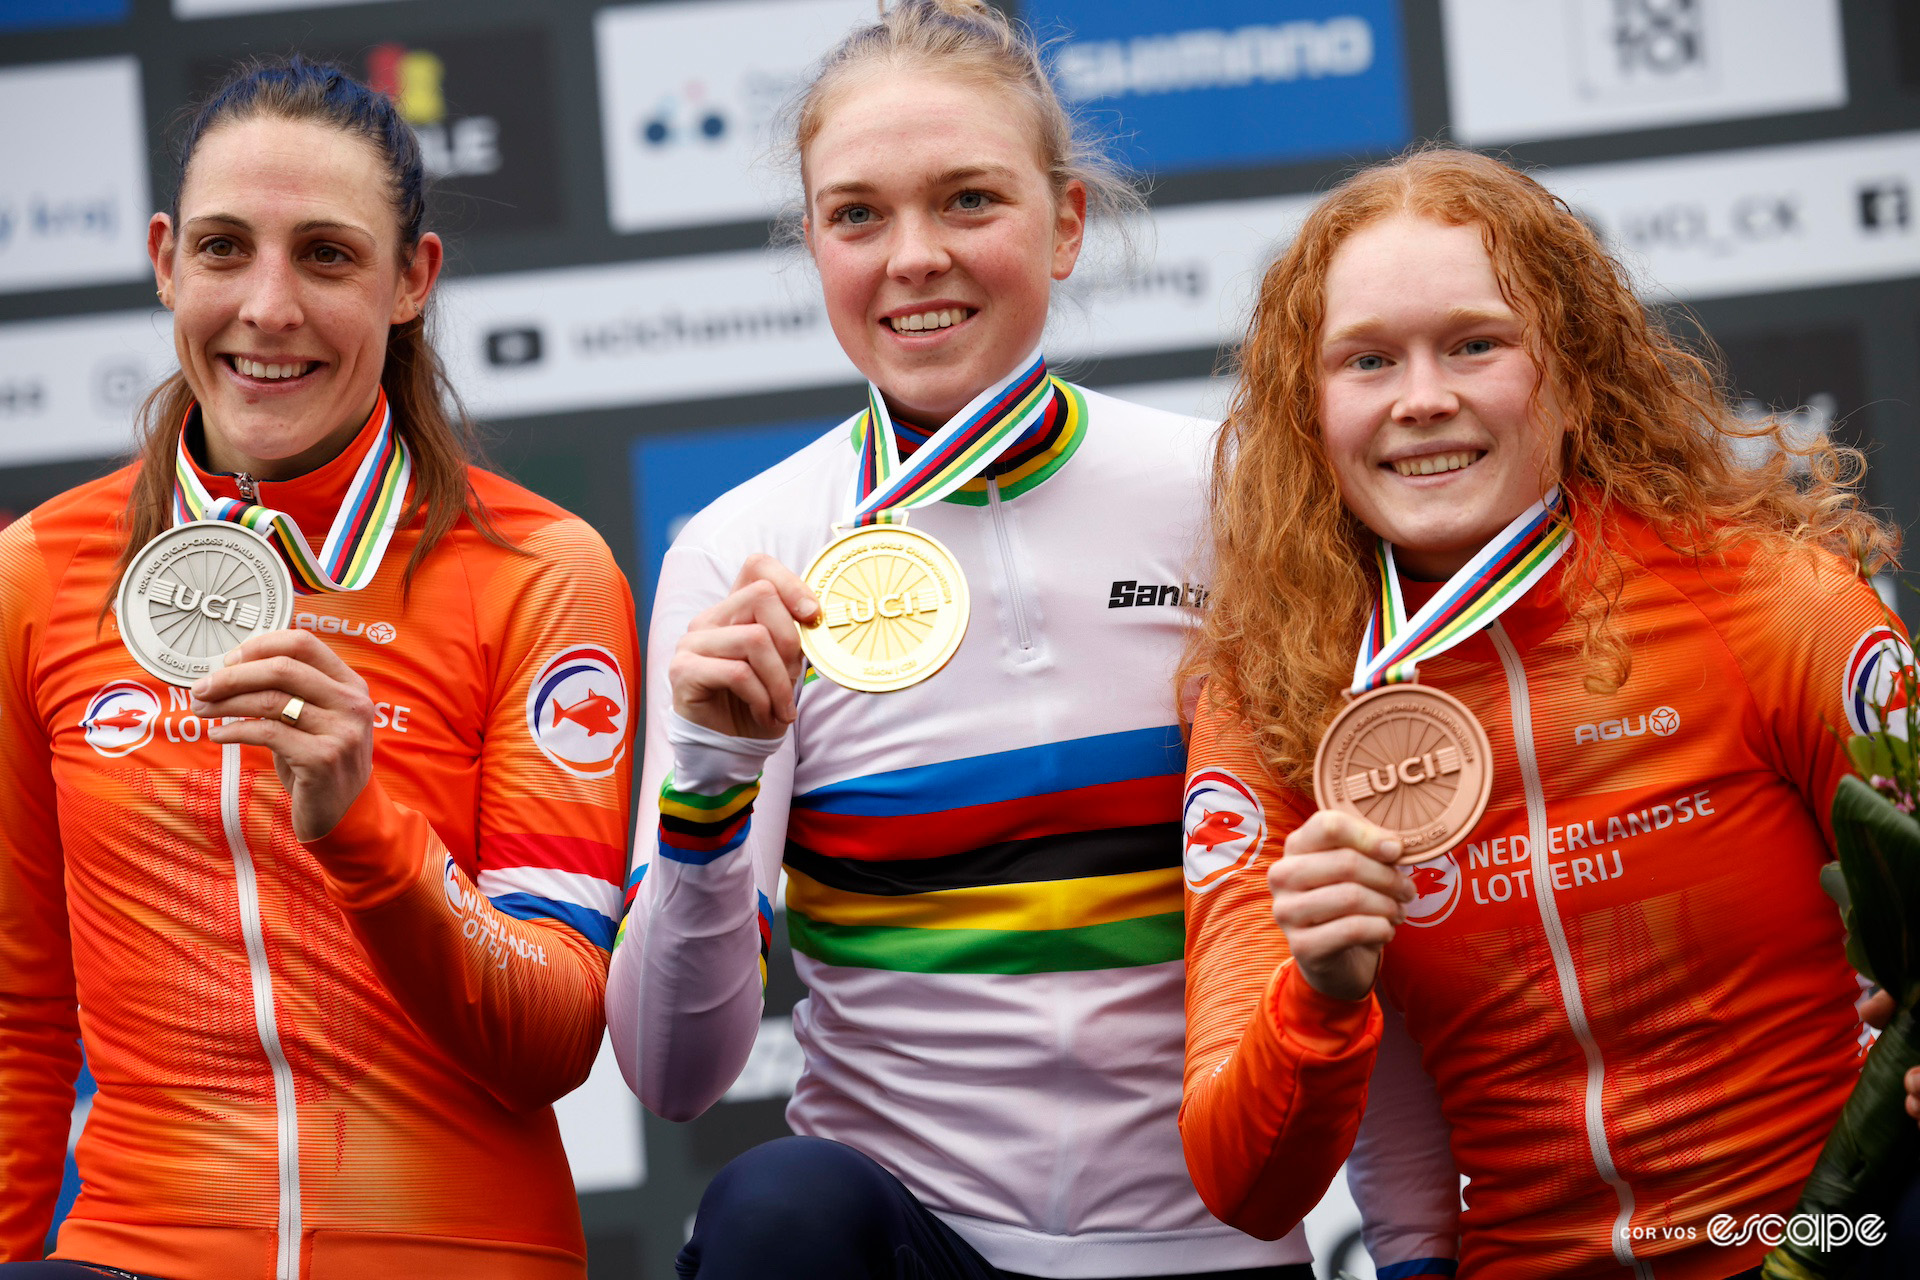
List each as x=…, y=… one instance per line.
x=195, y=592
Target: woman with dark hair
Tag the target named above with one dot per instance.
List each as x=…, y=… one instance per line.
x=328, y=905
x=1560, y=895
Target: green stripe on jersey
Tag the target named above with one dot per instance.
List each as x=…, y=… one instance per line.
x=1119, y=944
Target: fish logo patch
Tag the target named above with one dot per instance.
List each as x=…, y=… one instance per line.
x=1876, y=682
x=1437, y=884
x=577, y=711
x=1224, y=824
x=120, y=718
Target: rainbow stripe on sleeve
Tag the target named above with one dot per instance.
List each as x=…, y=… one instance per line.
x=696, y=829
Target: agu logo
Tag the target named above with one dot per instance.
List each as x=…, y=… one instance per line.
x=1438, y=884
x=120, y=718
x=577, y=711
x=1876, y=682
x=1224, y=824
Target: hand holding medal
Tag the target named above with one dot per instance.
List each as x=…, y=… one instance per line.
x=894, y=600
x=204, y=606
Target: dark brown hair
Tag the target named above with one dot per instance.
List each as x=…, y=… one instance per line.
x=443, y=442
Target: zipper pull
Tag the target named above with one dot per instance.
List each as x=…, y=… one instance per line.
x=247, y=488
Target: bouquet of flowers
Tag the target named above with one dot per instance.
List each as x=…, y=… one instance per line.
x=1874, y=1149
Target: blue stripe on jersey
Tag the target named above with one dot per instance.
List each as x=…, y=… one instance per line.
x=1417, y=1267
x=1005, y=775
x=585, y=921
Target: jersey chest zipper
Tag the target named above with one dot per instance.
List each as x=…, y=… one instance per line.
x=260, y=979
x=1573, y=1001
x=1003, y=536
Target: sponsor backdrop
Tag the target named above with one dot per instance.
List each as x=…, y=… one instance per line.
x=613, y=312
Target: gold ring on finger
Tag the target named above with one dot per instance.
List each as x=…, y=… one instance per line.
x=291, y=712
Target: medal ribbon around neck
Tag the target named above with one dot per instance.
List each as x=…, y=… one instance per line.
x=1484, y=588
x=361, y=529
x=967, y=445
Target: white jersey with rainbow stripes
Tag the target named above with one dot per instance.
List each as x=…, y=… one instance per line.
x=984, y=890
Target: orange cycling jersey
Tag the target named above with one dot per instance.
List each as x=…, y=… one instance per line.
x=1626, y=985
x=332, y=1060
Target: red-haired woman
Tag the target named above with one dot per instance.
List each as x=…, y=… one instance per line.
x=1463, y=450
x=328, y=904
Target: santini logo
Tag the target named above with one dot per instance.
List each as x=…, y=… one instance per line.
x=1129, y=594
x=1662, y=722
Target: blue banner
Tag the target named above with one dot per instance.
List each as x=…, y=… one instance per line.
x=675, y=476
x=33, y=15
x=1221, y=84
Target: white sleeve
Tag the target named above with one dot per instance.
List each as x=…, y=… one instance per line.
x=1401, y=1172
x=685, y=988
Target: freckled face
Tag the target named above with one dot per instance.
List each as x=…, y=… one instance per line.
x=936, y=234
x=1425, y=393
x=284, y=276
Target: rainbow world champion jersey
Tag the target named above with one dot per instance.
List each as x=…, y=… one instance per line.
x=983, y=870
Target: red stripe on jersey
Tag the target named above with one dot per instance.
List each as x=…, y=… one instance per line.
x=554, y=853
x=1135, y=802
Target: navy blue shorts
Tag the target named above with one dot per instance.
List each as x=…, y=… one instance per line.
x=810, y=1209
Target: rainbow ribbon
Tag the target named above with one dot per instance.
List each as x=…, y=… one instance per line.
x=361, y=529
x=1484, y=588
x=967, y=445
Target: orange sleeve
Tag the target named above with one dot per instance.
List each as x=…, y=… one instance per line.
x=1822, y=656
x=1276, y=1073
x=39, y=1026
x=507, y=969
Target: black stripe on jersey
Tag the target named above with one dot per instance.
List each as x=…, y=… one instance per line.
x=1069, y=856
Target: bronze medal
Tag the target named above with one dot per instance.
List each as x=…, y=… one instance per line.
x=1409, y=758
x=893, y=608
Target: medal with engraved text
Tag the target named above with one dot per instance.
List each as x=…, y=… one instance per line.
x=893, y=600
x=195, y=592
x=229, y=568
x=1409, y=757
x=893, y=608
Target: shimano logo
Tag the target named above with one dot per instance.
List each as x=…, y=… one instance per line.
x=1662, y=722
x=1211, y=58
x=1129, y=594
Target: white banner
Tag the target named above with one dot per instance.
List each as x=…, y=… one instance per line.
x=688, y=95
x=691, y=328
x=1757, y=221
x=1519, y=69
x=600, y=1126
x=68, y=388
x=719, y=324
x=73, y=175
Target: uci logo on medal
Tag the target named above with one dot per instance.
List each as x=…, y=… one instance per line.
x=1224, y=824
x=120, y=718
x=577, y=711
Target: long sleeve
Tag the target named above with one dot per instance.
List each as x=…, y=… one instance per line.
x=686, y=987
x=506, y=969
x=39, y=1026
x=1276, y=1073
x=1401, y=1173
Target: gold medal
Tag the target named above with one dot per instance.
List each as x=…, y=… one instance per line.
x=893, y=607
x=1409, y=758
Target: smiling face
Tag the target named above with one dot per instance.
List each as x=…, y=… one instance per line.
x=1425, y=393
x=284, y=276
x=936, y=234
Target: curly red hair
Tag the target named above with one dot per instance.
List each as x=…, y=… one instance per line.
x=1649, y=430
